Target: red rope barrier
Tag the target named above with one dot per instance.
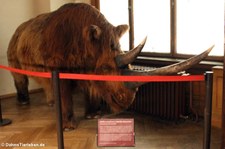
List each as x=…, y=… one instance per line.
x=108, y=77
x=26, y=72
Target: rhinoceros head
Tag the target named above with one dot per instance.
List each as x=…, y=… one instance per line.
x=113, y=61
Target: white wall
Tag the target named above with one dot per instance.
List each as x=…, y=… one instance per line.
x=57, y=3
x=12, y=14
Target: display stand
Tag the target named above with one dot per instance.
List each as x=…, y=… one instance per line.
x=57, y=97
x=3, y=122
x=208, y=110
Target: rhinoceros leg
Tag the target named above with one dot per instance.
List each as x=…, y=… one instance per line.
x=47, y=86
x=49, y=95
x=67, y=105
x=93, y=108
x=21, y=84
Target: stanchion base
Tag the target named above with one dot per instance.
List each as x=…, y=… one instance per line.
x=5, y=122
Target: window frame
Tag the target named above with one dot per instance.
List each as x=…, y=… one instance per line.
x=95, y=3
x=173, y=34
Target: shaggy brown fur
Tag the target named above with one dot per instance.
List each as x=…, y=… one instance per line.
x=75, y=38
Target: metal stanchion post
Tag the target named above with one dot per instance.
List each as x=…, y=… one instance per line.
x=57, y=97
x=3, y=122
x=208, y=110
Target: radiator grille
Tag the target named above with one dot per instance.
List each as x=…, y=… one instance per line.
x=166, y=100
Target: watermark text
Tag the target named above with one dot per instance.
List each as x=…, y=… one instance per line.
x=22, y=145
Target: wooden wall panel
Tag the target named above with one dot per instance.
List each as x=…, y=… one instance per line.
x=217, y=97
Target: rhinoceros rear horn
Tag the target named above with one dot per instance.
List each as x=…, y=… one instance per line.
x=130, y=56
x=168, y=70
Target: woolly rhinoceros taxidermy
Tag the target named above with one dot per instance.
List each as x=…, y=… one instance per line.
x=77, y=38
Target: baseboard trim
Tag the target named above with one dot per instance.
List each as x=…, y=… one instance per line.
x=11, y=95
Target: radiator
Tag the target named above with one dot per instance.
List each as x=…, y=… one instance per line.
x=166, y=100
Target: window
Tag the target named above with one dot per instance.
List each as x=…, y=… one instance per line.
x=116, y=15
x=174, y=27
x=200, y=25
x=156, y=27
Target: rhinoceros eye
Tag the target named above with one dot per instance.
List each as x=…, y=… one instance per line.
x=115, y=47
x=112, y=46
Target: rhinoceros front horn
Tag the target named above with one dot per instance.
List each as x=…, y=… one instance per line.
x=130, y=56
x=167, y=70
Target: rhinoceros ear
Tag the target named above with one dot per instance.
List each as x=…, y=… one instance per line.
x=94, y=32
x=121, y=29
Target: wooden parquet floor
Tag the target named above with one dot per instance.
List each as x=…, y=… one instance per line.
x=35, y=124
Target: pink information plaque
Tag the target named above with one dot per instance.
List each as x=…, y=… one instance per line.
x=116, y=132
